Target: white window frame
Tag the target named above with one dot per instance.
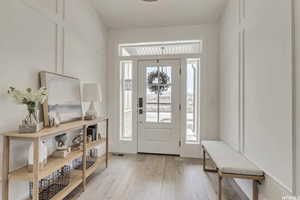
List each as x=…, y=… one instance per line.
x=121, y=104
x=198, y=105
x=160, y=44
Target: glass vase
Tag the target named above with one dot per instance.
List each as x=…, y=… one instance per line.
x=32, y=116
x=31, y=123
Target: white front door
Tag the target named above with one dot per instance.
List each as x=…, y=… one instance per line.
x=158, y=106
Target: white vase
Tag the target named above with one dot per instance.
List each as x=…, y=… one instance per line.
x=45, y=152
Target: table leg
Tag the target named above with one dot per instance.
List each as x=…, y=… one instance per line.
x=36, y=168
x=255, y=190
x=5, y=169
x=204, y=160
x=106, y=153
x=84, y=157
x=220, y=187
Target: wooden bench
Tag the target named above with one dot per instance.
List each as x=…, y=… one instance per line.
x=230, y=164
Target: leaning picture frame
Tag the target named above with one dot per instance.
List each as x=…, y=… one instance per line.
x=64, y=102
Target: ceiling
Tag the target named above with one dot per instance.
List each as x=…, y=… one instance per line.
x=119, y=14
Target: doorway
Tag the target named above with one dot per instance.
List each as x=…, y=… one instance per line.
x=159, y=106
x=160, y=98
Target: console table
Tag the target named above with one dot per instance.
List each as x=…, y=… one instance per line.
x=77, y=176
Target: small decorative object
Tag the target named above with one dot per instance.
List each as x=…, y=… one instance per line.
x=90, y=160
x=42, y=157
x=76, y=142
x=99, y=137
x=54, y=119
x=61, y=149
x=158, y=77
x=89, y=139
x=92, y=132
x=61, y=142
x=92, y=94
x=31, y=99
x=61, y=154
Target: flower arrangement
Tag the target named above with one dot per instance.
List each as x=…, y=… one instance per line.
x=31, y=98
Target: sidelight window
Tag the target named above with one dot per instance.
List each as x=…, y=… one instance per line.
x=192, y=100
x=126, y=100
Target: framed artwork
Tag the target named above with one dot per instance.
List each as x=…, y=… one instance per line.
x=64, y=98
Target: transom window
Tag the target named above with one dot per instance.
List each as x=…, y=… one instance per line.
x=161, y=48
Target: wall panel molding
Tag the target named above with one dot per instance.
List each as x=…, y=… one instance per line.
x=57, y=17
x=241, y=78
x=44, y=12
x=263, y=73
x=294, y=99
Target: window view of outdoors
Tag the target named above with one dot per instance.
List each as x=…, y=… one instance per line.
x=192, y=100
x=158, y=94
x=126, y=100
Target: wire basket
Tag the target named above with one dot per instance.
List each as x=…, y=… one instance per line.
x=90, y=160
x=52, y=184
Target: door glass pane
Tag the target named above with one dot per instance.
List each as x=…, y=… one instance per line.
x=165, y=74
x=158, y=94
x=151, y=106
x=165, y=104
x=152, y=75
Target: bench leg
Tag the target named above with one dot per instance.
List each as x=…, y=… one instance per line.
x=204, y=160
x=204, y=164
x=220, y=187
x=255, y=190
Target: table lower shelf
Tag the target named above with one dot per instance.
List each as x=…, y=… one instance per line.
x=93, y=168
x=23, y=174
x=75, y=180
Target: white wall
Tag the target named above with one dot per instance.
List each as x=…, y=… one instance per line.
x=28, y=44
x=229, y=75
x=207, y=33
x=297, y=87
x=256, y=105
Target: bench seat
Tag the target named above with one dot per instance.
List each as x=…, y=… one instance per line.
x=231, y=164
x=229, y=161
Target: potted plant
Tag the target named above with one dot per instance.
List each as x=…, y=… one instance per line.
x=31, y=98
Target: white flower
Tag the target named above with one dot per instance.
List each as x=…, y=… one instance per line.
x=28, y=96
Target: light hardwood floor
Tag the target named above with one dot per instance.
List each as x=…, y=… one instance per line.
x=154, y=177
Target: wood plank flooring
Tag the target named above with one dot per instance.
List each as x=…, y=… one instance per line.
x=154, y=177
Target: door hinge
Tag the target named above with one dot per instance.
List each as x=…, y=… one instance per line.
x=179, y=143
x=179, y=106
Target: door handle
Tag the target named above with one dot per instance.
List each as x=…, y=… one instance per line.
x=140, y=111
x=140, y=102
x=140, y=105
